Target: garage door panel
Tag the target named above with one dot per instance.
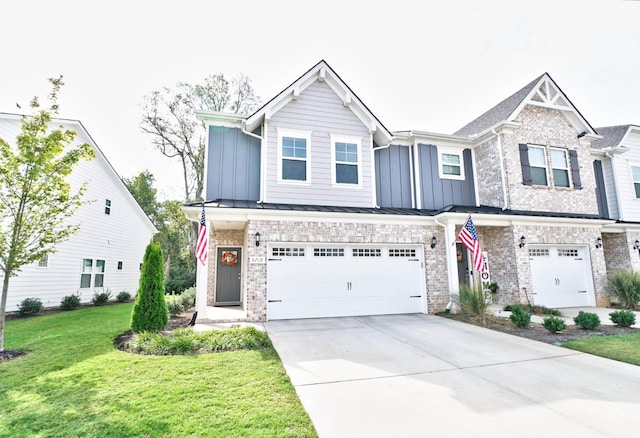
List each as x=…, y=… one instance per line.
x=361, y=281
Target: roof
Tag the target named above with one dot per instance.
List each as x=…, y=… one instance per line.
x=500, y=112
x=611, y=136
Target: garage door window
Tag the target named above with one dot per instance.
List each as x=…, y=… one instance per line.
x=328, y=252
x=367, y=252
x=402, y=252
x=287, y=252
x=538, y=252
x=567, y=252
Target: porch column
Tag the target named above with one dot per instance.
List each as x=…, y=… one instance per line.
x=452, y=261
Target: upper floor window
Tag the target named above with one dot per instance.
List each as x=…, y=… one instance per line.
x=44, y=261
x=345, y=160
x=294, y=156
x=635, y=174
x=107, y=206
x=559, y=167
x=538, y=163
x=450, y=163
x=120, y=266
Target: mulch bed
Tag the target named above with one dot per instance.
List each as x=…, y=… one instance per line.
x=121, y=342
x=539, y=333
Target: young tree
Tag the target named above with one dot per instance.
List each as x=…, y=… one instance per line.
x=169, y=117
x=141, y=188
x=35, y=198
x=149, y=310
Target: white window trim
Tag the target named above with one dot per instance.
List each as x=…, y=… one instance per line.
x=90, y=273
x=567, y=169
x=546, y=165
x=450, y=151
x=345, y=139
x=45, y=258
x=296, y=134
x=633, y=182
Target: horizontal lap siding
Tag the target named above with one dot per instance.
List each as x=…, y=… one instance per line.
x=629, y=206
x=319, y=110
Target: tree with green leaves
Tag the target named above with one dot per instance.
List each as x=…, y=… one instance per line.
x=36, y=200
x=168, y=115
x=149, y=310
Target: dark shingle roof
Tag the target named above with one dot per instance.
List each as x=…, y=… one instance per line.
x=499, y=112
x=611, y=136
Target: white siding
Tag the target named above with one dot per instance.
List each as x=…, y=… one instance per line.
x=120, y=236
x=319, y=110
x=628, y=204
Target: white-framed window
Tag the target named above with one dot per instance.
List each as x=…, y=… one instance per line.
x=90, y=270
x=85, y=275
x=107, y=206
x=119, y=265
x=559, y=167
x=538, y=165
x=294, y=156
x=450, y=163
x=43, y=262
x=346, y=159
x=635, y=176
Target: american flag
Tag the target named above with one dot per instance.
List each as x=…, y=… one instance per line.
x=469, y=238
x=201, y=247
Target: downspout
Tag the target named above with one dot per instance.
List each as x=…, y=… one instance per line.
x=243, y=128
x=502, y=174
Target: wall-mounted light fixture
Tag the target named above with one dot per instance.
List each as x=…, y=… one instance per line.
x=257, y=238
x=636, y=244
x=523, y=241
x=434, y=242
x=582, y=134
x=599, y=242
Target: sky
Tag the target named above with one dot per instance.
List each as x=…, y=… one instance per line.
x=422, y=65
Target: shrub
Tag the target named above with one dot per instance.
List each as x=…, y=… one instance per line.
x=174, y=304
x=188, y=298
x=519, y=317
x=123, y=297
x=180, y=277
x=554, y=324
x=70, y=302
x=547, y=311
x=586, y=320
x=101, y=298
x=30, y=306
x=623, y=318
x=149, y=310
x=624, y=287
x=473, y=302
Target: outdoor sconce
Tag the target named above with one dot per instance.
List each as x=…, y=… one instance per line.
x=637, y=244
x=523, y=240
x=599, y=242
x=434, y=241
x=257, y=238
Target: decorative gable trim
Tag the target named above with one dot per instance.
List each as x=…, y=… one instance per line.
x=322, y=72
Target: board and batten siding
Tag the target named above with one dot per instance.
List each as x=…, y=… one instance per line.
x=120, y=236
x=233, y=165
x=439, y=192
x=628, y=204
x=393, y=176
x=320, y=111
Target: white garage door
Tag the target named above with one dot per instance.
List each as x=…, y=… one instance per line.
x=326, y=280
x=561, y=276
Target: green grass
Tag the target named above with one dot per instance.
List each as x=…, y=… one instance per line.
x=624, y=348
x=74, y=383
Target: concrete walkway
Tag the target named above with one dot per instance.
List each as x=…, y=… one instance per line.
x=421, y=375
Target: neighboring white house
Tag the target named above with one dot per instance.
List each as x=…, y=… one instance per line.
x=107, y=251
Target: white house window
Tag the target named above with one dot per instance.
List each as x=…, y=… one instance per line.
x=119, y=266
x=44, y=261
x=85, y=276
x=635, y=175
x=294, y=156
x=107, y=206
x=345, y=160
x=450, y=163
x=538, y=164
x=98, y=279
x=559, y=167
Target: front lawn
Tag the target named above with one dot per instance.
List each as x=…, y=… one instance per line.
x=624, y=348
x=73, y=382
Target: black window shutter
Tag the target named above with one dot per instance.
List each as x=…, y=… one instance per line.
x=575, y=170
x=524, y=162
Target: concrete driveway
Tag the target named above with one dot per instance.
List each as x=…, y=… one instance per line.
x=422, y=375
